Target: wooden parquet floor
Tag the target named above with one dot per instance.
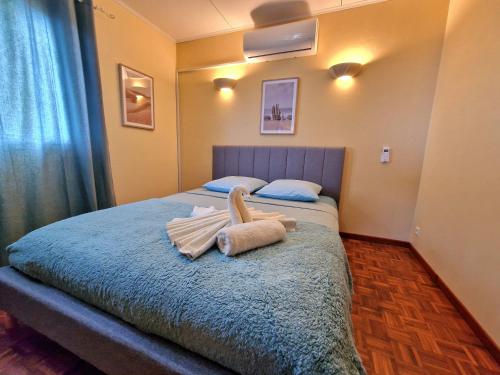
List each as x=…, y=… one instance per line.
x=403, y=324
x=23, y=351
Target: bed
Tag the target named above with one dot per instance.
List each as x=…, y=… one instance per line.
x=109, y=286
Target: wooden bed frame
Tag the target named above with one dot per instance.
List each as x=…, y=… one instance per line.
x=114, y=346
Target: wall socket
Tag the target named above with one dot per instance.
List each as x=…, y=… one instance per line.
x=417, y=231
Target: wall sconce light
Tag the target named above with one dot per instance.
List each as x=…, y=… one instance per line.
x=224, y=83
x=345, y=70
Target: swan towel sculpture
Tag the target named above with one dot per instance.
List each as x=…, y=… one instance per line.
x=193, y=236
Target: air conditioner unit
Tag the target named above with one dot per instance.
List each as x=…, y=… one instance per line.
x=281, y=42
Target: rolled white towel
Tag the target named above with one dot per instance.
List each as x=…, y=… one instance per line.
x=239, y=238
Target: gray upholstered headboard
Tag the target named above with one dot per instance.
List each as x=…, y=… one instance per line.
x=322, y=165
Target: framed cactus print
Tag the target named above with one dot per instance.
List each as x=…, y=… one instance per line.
x=279, y=100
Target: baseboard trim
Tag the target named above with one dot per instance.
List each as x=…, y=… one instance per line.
x=485, y=338
x=362, y=237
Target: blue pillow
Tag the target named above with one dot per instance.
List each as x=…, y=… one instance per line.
x=292, y=190
x=225, y=184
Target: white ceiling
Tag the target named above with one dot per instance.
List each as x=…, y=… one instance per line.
x=193, y=19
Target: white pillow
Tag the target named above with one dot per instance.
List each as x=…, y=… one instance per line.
x=225, y=184
x=292, y=190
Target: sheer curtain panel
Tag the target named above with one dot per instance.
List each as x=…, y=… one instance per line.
x=54, y=160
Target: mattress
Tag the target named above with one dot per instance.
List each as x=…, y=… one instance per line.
x=281, y=309
x=322, y=212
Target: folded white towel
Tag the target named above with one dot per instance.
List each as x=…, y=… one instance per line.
x=197, y=243
x=201, y=211
x=239, y=238
x=289, y=222
x=195, y=235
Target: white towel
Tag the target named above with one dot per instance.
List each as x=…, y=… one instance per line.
x=238, y=211
x=239, y=238
x=201, y=211
x=288, y=222
x=194, y=235
x=197, y=243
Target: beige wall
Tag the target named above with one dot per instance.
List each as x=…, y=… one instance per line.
x=458, y=206
x=143, y=162
x=390, y=103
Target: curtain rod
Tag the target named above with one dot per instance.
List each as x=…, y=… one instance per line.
x=102, y=10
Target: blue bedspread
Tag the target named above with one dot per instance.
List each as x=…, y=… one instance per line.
x=283, y=309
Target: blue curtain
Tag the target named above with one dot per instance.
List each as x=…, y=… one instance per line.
x=53, y=151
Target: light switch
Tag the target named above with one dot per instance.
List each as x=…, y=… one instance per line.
x=385, y=156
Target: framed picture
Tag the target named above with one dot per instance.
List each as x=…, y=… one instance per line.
x=137, y=98
x=279, y=100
